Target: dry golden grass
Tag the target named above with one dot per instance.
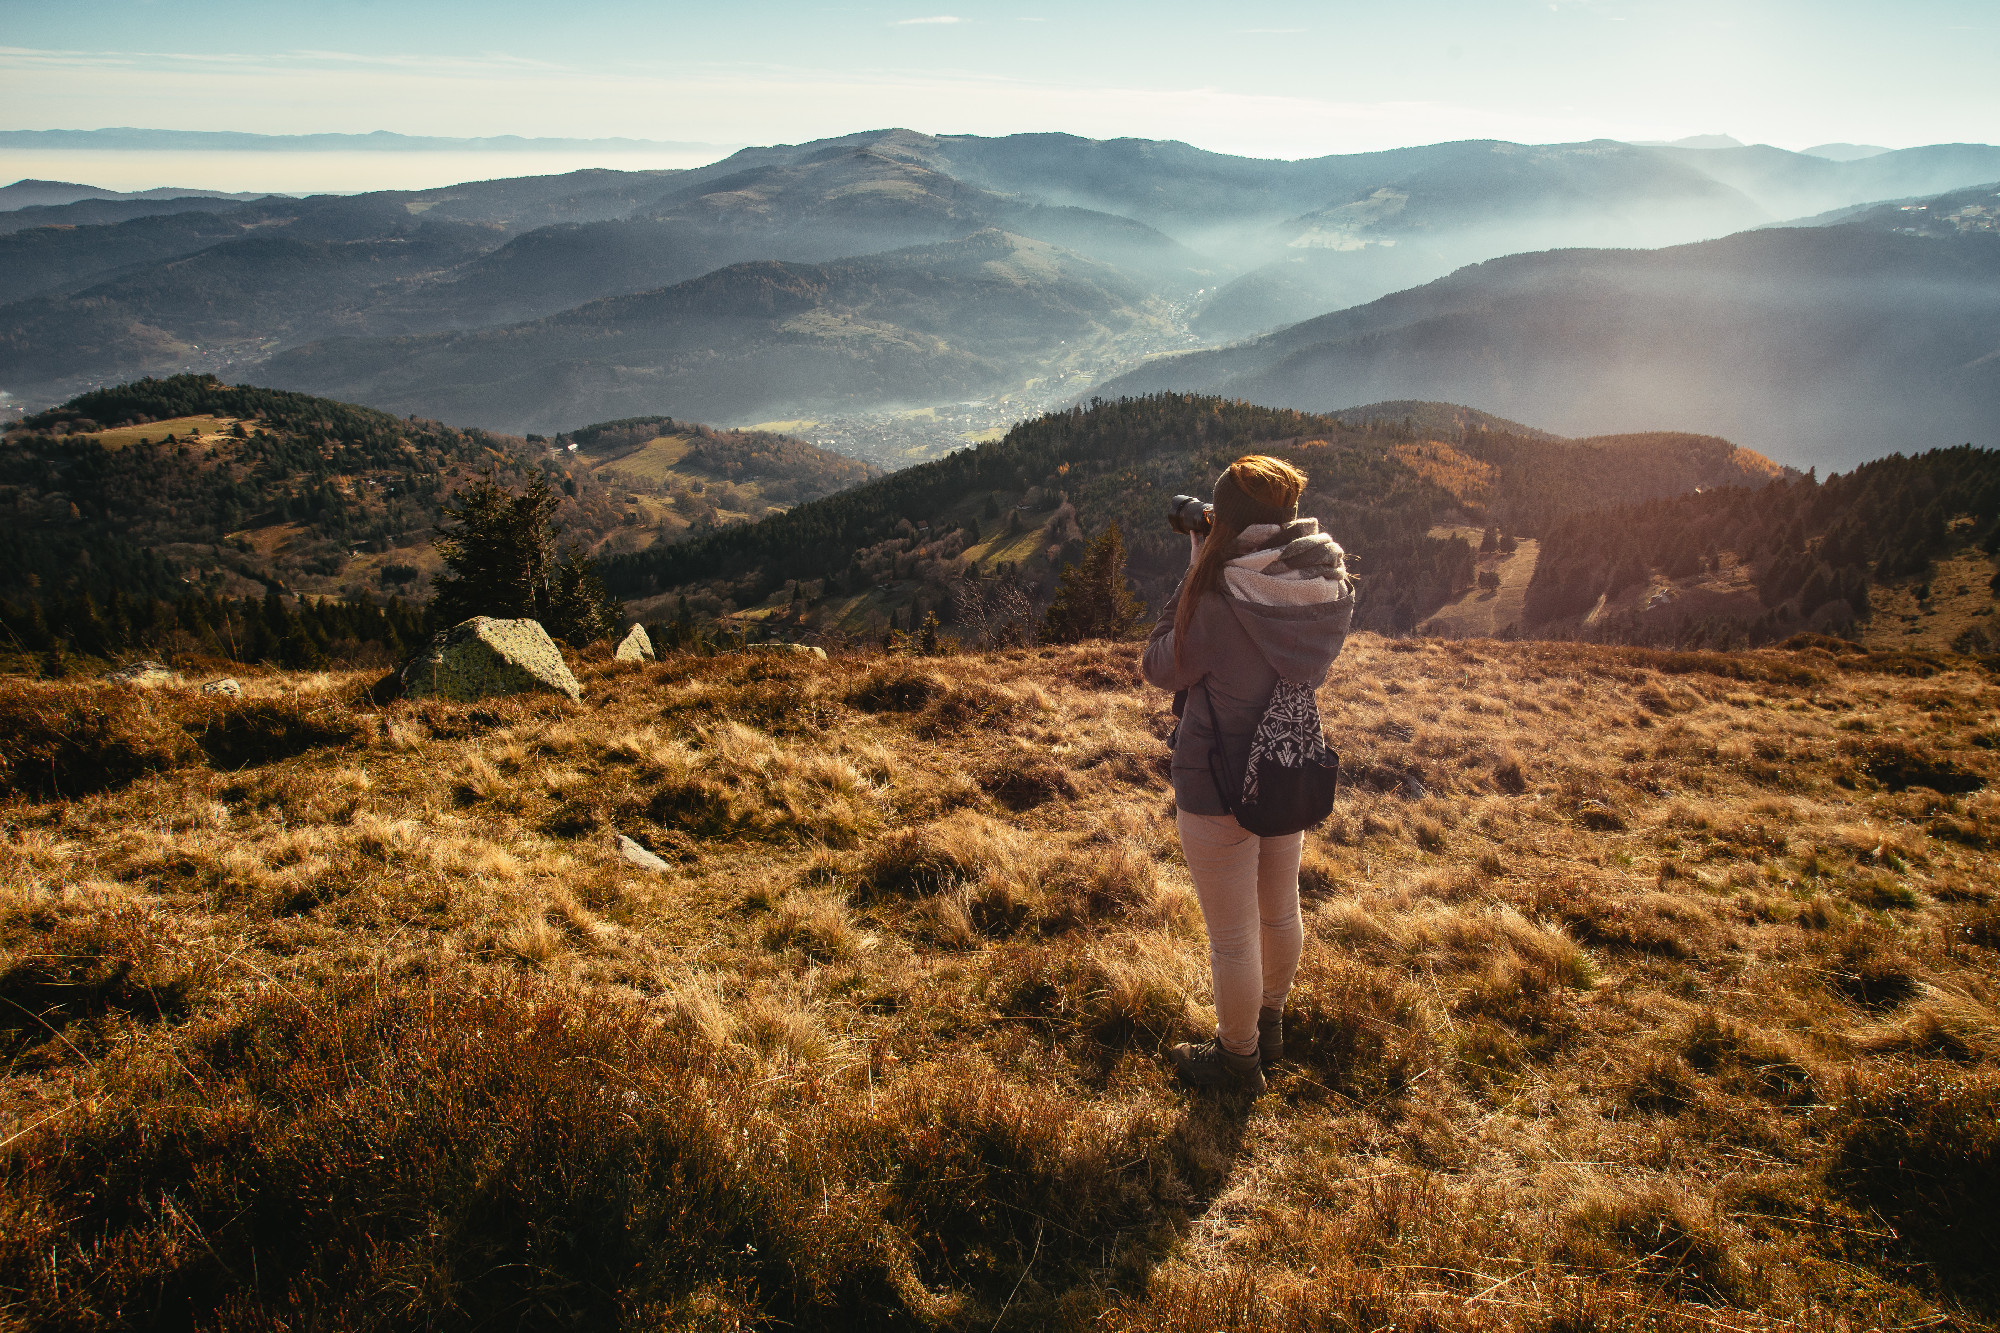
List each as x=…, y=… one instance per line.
x=1640, y=989
x=203, y=430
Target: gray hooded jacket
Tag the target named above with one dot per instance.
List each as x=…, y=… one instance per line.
x=1235, y=654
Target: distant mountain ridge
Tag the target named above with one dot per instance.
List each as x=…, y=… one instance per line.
x=379, y=141
x=1845, y=152
x=1211, y=246
x=763, y=340
x=104, y=212
x=42, y=194
x=1828, y=345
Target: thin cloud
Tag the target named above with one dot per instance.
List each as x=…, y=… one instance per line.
x=487, y=60
x=1269, y=30
x=487, y=63
x=938, y=18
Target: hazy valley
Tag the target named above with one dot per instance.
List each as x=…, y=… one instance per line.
x=1832, y=344
x=1146, y=248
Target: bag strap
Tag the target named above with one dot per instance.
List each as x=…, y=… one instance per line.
x=1218, y=766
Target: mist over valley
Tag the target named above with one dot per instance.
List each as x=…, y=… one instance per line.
x=1825, y=346
x=877, y=278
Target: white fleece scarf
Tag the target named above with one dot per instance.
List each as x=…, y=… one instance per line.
x=1264, y=575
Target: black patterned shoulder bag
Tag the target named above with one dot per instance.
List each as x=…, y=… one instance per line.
x=1293, y=776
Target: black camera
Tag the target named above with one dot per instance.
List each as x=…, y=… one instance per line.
x=1189, y=515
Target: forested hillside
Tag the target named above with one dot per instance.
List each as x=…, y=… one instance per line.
x=999, y=520
x=184, y=504
x=187, y=511
x=157, y=485
x=1811, y=550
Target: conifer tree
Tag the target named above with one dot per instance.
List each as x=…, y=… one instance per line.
x=500, y=549
x=1092, y=600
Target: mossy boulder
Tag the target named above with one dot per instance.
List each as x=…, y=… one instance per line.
x=482, y=657
x=144, y=674
x=636, y=646
x=792, y=649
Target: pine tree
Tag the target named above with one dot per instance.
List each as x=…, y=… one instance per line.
x=579, y=610
x=1092, y=601
x=297, y=651
x=500, y=549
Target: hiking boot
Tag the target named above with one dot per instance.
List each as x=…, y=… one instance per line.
x=1211, y=1065
x=1270, y=1035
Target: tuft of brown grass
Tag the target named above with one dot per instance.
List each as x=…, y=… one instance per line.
x=1658, y=1231
x=963, y=847
x=1922, y=1149
x=66, y=739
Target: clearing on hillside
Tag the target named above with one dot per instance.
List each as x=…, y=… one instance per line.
x=187, y=430
x=1482, y=612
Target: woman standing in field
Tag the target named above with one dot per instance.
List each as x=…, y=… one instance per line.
x=1266, y=601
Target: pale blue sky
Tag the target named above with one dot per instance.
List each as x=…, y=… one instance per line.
x=1269, y=77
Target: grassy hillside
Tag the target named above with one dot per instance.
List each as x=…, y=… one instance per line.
x=678, y=476
x=1693, y=1026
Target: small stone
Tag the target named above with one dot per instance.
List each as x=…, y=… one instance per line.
x=142, y=673
x=637, y=646
x=227, y=687
x=482, y=657
x=1414, y=788
x=640, y=857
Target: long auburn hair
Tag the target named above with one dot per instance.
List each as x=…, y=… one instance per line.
x=1272, y=483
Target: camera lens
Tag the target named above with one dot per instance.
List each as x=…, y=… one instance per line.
x=1187, y=514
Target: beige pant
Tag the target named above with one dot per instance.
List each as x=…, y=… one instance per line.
x=1249, y=891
